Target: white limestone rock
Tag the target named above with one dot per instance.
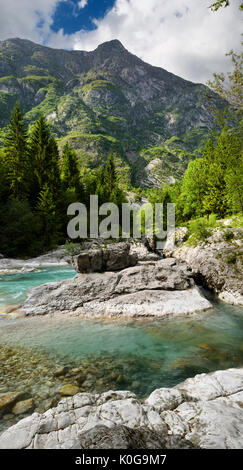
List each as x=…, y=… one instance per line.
x=203, y=412
x=154, y=303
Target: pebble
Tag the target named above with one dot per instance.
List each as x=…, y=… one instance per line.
x=69, y=390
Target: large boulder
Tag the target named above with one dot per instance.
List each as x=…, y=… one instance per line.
x=203, y=412
x=159, y=288
x=113, y=257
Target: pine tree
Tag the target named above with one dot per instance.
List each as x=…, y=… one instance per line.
x=54, y=181
x=4, y=186
x=101, y=187
x=46, y=207
x=69, y=172
x=44, y=160
x=110, y=175
x=15, y=154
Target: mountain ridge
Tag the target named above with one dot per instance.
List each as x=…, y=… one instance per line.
x=108, y=100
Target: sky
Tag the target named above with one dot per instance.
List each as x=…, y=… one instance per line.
x=182, y=36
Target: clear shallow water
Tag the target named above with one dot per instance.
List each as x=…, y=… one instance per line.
x=155, y=353
x=13, y=287
x=137, y=355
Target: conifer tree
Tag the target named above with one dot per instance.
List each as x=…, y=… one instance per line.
x=44, y=160
x=4, y=185
x=15, y=154
x=69, y=172
x=110, y=175
x=46, y=207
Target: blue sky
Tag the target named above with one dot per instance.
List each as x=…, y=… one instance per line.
x=182, y=36
x=71, y=18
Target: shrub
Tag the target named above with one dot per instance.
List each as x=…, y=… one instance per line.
x=231, y=258
x=228, y=236
x=72, y=249
x=200, y=230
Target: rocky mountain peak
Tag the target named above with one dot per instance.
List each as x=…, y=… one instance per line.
x=113, y=45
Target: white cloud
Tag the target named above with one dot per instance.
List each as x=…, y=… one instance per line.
x=27, y=19
x=82, y=3
x=182, y=36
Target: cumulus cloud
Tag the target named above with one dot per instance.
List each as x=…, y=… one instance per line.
x=82, y=3
x=184, y=37
x=27, y=19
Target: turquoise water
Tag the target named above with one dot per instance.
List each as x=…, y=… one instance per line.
x=148, y=353
x=158, y=353
x=13, y=287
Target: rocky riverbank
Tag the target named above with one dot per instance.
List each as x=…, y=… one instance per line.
x=56, y=257
x=202, y=412
x=217, y=263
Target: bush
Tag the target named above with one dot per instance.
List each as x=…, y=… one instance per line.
x=201, y=229
x=72, y=249
x=228, y=236
x=231, y=258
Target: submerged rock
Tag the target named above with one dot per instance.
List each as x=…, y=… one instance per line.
x=8, y=399
x=159, y=288
x=203, y=412
x=69, y=390
x=23, y=407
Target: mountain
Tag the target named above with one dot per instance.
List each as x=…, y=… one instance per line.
x=108, y=100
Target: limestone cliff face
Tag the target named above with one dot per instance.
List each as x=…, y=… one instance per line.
x=108, y=100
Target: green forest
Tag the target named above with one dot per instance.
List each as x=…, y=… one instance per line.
x=37, y=184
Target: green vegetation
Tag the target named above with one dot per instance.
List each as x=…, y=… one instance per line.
x=201, y=229
x=100, y=84
x=37, y=185
x=228, y=236
x=48, y=104
x=223, y=3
